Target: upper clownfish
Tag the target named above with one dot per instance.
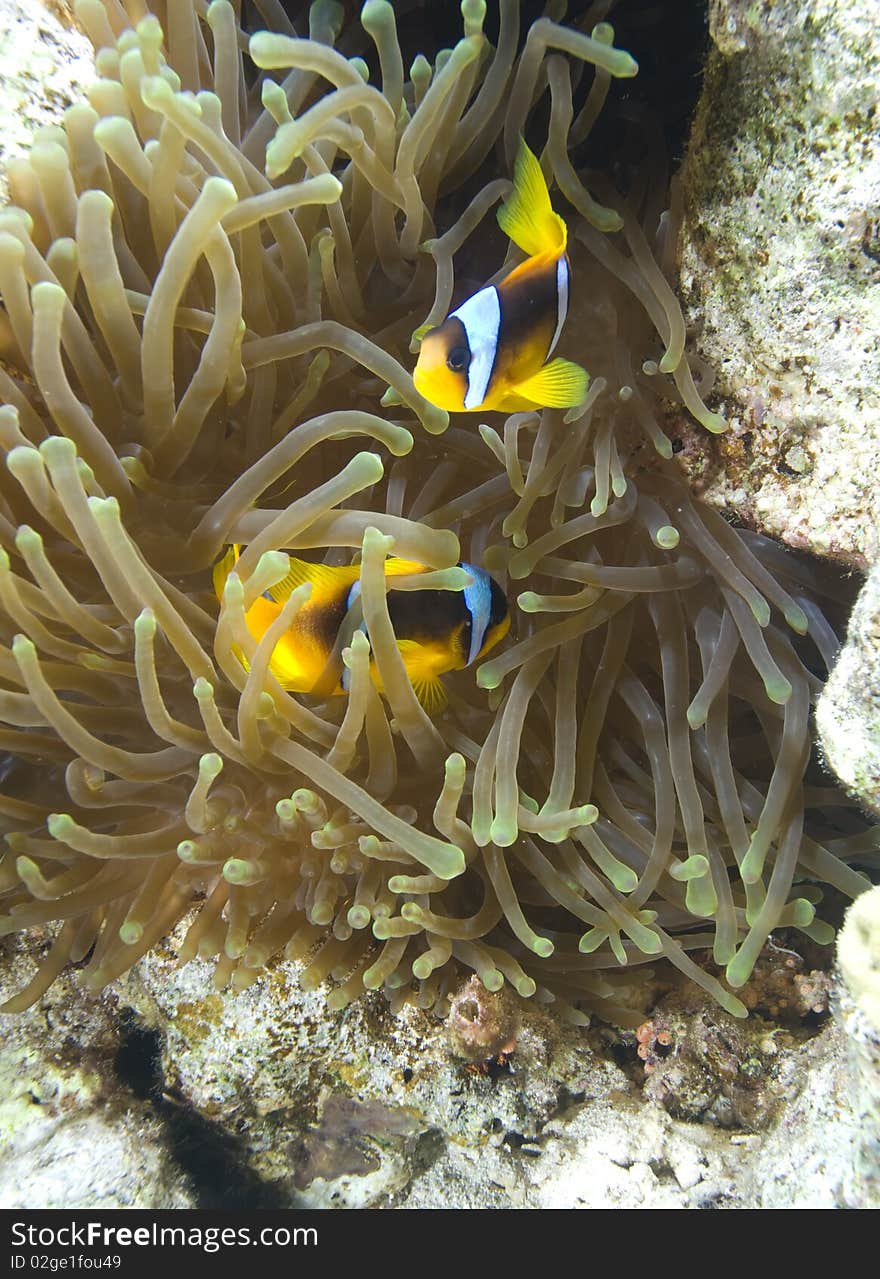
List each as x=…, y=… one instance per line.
x=437, y=630
x=492, y=352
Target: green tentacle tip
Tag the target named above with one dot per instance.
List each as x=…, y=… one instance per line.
x=740, y=968
x=375, y=13
x=131, y=932
x=797, y=619
x=714, y=423
x=27, y=538
x=819, y=932
x=663, y=446
x=473, y=13
x=542, y=946
x=624, y=879
x=752, y=864
x=760, y=611
x=778, y=690
x=731, y=1004
x=592, y=940
x=60, y=825
x=412, y=912
x=803, y=913
x=391, y=398
x=667, y=537
x=529, y=803
x=451, y=864
x=23, y=647
x=646, y=939
x=145, y=624
x=358, y=917
x=689, y=869
x=492, y=979
x=605, y=219
x=625, y=65
x=696, y=714
x=503, y=833
x=700, y=897
x=488, y=677
x=210, y=765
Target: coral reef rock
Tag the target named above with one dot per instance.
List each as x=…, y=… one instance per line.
x=780, y=262
x=858, y=953
x=72, y=1133
x=370, y=1109
x=848, y=714
x=45, y=62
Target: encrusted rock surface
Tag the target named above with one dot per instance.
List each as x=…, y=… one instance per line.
x=72, y=1134
x=371, y=1109
x=859, y=1012
x=44, y=64
x=137, y=1098
x=780, y=266
x=166, y=1093
x=848, y=714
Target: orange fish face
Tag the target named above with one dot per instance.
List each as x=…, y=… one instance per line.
x=441, y=371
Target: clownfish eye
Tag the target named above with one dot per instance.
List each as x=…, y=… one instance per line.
x=458, y=359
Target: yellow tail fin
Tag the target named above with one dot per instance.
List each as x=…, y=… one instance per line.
x=527, y=215
x=223, y=568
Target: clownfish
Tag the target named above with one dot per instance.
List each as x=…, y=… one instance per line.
x=437, y=630
x=493, y=351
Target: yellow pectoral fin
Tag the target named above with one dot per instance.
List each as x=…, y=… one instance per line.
x=432, y=695
x=422, y=663
x=527, y=215
x=558, y=385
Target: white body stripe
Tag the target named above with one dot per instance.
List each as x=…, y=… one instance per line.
x=481, y=317
x=478, y=599
x=561, y=299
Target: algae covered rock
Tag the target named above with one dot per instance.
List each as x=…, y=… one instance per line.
x=72, y=1133
x=780, y=263
x=858, y=953
x=45, y=63
x=848, y=714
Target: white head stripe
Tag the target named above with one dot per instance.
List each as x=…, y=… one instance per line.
x=353, y=594
x=478, y=600
x=561, y=299
x=481, y=317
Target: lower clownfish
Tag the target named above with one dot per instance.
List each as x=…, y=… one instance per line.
x=493, y=351
x=437, y=630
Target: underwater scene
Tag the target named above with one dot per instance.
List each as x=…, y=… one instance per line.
x=438, y=727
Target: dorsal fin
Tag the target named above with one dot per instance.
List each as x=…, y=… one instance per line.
x=527, y=215
x=395, y=567
x=327, y=581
